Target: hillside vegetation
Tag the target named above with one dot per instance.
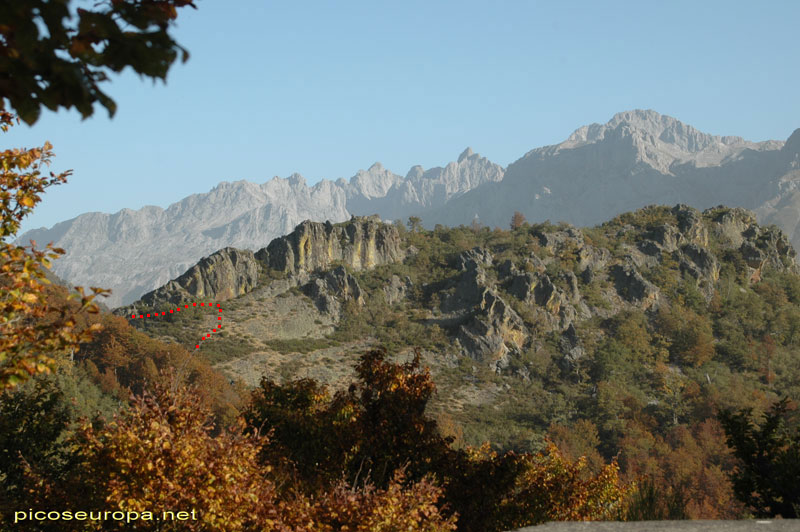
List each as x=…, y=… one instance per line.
x=620, y=341
x=615, y=372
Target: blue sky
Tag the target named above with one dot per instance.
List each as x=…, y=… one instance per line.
x=328, y=88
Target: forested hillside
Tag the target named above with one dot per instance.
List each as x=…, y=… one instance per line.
x=570, y=373
x=623, y=341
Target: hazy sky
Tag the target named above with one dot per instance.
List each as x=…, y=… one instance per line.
x=328, y=88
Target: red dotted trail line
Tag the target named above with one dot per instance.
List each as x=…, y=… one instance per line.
x=178, y=309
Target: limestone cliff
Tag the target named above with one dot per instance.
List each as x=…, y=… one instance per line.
x=361, y=243
x=223, y=275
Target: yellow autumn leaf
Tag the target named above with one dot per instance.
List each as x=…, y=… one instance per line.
x=29, y=298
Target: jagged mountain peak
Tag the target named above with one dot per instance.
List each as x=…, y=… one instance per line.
x=297, y=180
x=466, y=154
x=371, y=183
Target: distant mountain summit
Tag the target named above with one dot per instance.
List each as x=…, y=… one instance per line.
x=635, y=159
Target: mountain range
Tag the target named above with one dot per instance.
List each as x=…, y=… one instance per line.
x=636, y=159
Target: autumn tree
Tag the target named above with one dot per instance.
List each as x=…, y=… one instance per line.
x=552, y=487
x=691, y=335
x=379, y=427
x=768, y=456
x=517, y=220
x=164, y=454
x=33, y=334
x=370, y=509
x=56, y=55
x=123, y=361
x=680, y=475
x=306, y=427
x=36, y=420
x=579, y=439
x=366, y=433
x=161, y=454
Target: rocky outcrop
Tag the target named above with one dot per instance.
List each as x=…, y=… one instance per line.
x=311, y=248
x=699, y=262
x=361, y=243
x=471, y=285
x=331, y=289
x=634, y=288
x=494, y=333
x=679, y=242
x=760, y=246
x=663, y=238
x=397, y=290
x=729, y=224
x=690, y=225
x=571, y=347
x=223, y=275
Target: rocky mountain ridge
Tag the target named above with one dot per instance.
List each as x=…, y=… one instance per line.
x=637, y=158
x=133, y=252
x=313, y=247
x=496, y=302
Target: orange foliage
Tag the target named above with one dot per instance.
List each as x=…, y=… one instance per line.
x=161, y=455
x=369, y=509
x=123, y=360
x=554, y=488
x=580, y=439
x=691, y=465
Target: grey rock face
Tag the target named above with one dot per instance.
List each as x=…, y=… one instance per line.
x=632, y=286
x=485, y=301
x=571, y=347
x=394, y=197
x=700, y=264
x=730, y=224
x=331, y=289
x=471, y=286
x=223, y=275
x=397, y=290
x=493, y=333
x=313, y=255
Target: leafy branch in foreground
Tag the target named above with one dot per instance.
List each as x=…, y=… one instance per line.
x=32, y=334
x=52, y=57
